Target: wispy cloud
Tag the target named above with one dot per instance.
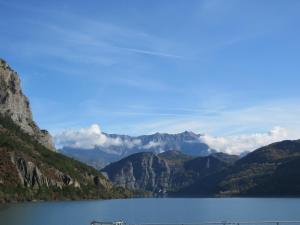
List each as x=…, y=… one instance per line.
x=89, y=41
x=229, y=121
x=152, y=53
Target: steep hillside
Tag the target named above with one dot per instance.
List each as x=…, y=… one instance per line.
x=197, y=169
x=284, y=181
x=271, y=170
x=227, y=158
x=29, y=168
x=30, y=171
x=258, y=167
x=175, y=158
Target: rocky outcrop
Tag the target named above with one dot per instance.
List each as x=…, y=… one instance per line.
x=14, y=103
x=32, y=177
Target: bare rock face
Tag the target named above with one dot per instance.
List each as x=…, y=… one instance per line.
x=141, y=171
x=16, y=105
x=31, y=176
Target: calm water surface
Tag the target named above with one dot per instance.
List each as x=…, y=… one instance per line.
x=164, y=210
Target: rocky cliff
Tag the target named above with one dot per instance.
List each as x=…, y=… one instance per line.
x=141, y=171
x=15, y=104
x=162, y=173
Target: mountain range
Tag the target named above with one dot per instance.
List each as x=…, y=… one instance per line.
x=188, y=143
x=166, y=172
x=272, y=170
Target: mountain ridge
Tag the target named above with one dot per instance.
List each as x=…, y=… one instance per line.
x=272, y=170
x=167, y=172
x=187, y=142
x=257, y=174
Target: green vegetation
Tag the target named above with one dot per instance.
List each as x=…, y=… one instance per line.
x=273, y=170
x=13, y=141
x=175, y=158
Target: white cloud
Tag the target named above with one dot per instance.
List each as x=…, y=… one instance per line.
x=91, y=137
x=88, y=138
x=153, y=144
x=237, y=144
x=131, y=143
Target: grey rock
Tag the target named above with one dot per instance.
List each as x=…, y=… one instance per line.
x=15, y=104
x=32, y=177
x=142, y=171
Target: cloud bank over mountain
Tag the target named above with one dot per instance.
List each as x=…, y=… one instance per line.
x=92, y=137
x=237, y=144
x=89, y=138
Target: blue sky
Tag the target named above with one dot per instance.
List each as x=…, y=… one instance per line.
x=223, y=67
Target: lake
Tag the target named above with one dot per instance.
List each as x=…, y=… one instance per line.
x=151, y=210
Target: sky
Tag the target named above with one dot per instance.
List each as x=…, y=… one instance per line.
x=225, y=68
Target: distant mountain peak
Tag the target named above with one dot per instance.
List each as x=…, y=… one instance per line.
x=189, y=132
x=186, y=142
